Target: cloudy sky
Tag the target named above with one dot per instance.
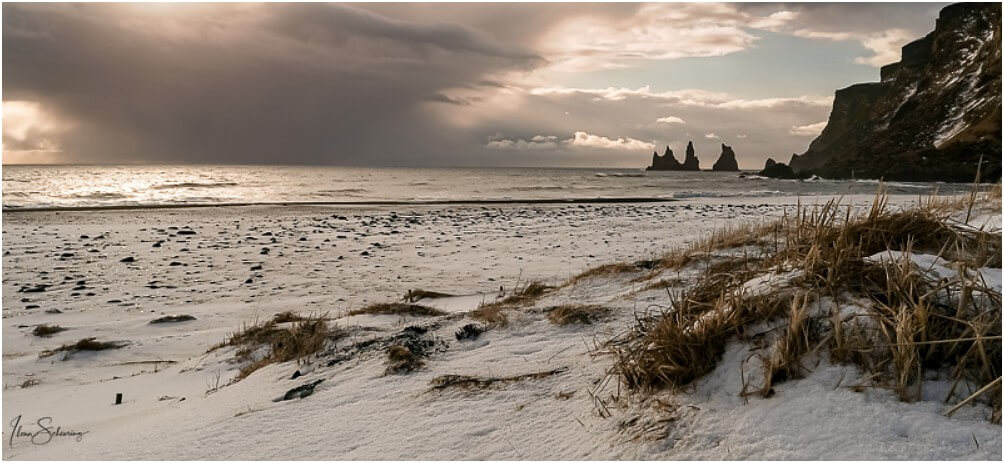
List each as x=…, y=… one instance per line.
x=433, y=84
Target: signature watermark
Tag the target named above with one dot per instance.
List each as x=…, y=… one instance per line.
x=41, y=432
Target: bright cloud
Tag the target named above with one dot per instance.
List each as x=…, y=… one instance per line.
x=809, y=130
x=711, y=136
x=656, y=32
x=538, y=142
x=692, y=97
x=670, y=120
x=29, y=133
x=579, y=140
x=22, y=118
x=886, y=47
x=585, y=140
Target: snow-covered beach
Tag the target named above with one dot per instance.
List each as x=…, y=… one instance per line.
x=108, y=274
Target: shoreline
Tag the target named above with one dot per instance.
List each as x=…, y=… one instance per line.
x=445, y=202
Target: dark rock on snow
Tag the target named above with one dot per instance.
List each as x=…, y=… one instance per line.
x=300, y=392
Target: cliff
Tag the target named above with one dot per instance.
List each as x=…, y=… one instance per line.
x=933, y=114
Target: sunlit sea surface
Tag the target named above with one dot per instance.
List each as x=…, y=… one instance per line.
x=116, y=186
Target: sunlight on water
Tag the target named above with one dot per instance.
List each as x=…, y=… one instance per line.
x=100, y=186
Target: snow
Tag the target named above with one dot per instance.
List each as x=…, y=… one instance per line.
x=187, y=410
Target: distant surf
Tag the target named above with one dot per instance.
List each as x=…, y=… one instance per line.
x=34, y=188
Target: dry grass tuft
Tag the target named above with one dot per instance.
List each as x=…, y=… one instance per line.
x=86, y=344
x=481, y=382
x=493, y=314
x=398, y=308
x=47, y=330
x=663, y=283
x=287, y=317
x=606, y=269
x=911, y=321
x=261, y=344
x=732, y=237
x=401, y=359
x=531, y=292
x=576, y=314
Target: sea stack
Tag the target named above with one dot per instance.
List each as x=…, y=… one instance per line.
x=691, y=162
x=778, y=170
x=668, y=161
x=727, y=161
x=664, y=162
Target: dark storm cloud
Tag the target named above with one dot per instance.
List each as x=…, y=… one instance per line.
x=338, y=23
x=285, y=83
x=404, y=84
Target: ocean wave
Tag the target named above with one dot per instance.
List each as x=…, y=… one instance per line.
x=892, y=184
x=342, y=192
x=620, y=174
x=167, y=186
x=725, y=194
x=535, y=188
x=100, y=195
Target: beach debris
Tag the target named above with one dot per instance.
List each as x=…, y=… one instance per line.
x=299, y=392
x=118, y=398
x=39, y=288
x=417, y=294
x=88, y=344
x=485, y=382
x=47, y=330
x=469, y=331
x=172, y=319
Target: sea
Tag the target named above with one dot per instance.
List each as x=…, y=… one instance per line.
x=95, y=187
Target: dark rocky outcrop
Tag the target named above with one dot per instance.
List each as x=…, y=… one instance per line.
x=668, y=161
x=665, y=162
x=779, y=170
x=691, y=162
x=932, y=116
x=726, y=161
